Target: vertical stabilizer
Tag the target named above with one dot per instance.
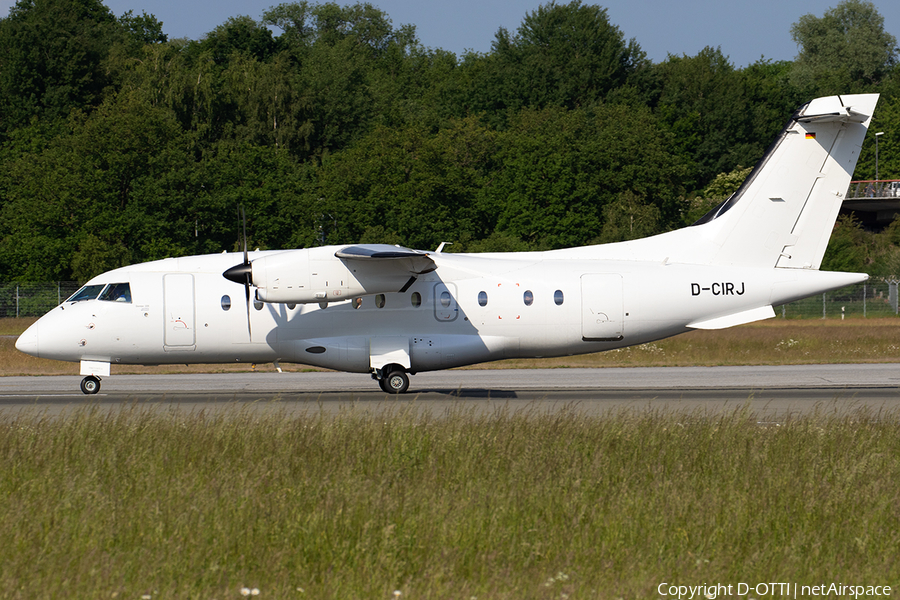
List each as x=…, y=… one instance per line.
x=784, y=213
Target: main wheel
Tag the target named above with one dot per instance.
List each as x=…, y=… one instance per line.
x=90, y=385
x=395, y=382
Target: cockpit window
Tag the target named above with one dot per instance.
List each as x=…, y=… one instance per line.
x=117, y=292
x=88, y=292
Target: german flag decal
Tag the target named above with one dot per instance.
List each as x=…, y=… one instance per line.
x=810, y=135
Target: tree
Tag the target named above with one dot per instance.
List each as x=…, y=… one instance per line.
x=703, y=101
x=628, y=218
x=846, y=50
x=886, y=119
x=51, y=58
x=409, y=186
x=565, y=55
x=719, y=190
x=239, y=36
x=558, y=170
x=143, y=29
x=847, y=249
x=109, y=187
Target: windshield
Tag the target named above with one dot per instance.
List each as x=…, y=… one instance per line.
x=117, y=292
x=88, y=292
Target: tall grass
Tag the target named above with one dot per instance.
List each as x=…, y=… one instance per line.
x=527, y=505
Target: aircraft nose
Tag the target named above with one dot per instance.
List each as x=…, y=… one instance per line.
x=28, y=341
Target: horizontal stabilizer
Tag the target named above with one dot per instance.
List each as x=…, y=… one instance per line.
x=828, y=110
x=738, y=318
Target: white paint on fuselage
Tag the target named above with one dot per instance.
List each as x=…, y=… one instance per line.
x=657, y=300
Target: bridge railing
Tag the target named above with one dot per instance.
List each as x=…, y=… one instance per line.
x=882, y=188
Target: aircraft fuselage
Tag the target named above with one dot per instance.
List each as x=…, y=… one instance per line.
x=472, y=308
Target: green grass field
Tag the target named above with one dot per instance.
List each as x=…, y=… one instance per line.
x=137, y=504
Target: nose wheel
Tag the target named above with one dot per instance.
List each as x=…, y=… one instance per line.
x=90, y=385
x=395, y=382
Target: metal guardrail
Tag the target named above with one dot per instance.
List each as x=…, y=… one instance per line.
x=870, y=299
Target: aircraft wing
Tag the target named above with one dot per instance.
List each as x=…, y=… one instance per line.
x=420, y=262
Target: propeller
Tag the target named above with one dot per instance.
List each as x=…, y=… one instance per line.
x=243, y=273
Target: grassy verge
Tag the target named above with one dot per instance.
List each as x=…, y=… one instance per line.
x=772, y=342
x=500, y=506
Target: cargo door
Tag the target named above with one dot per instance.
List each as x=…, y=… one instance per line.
x=602, y=307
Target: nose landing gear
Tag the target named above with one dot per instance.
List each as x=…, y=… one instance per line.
x=90, y=385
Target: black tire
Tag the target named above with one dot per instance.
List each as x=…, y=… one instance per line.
x=90, y=385
x=395, y=382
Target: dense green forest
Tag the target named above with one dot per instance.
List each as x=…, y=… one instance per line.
x=330, y=125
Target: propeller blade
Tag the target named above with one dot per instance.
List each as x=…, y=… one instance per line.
x=244, y=229
x=248, y=270
x=247, y=301
x=243, y=273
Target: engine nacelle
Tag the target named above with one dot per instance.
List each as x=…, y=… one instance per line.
x=317, y=275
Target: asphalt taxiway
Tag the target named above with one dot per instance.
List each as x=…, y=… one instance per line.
x=770, y=391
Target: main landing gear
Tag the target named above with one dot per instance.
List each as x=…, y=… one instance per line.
x=90, y=385
x=393, y=380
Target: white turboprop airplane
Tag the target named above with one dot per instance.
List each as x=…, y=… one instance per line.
x=391, y=311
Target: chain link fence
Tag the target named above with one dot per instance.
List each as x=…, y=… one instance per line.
x=33, y=299
x=870, y=299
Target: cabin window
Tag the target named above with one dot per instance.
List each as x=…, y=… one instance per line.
x=528, y=297
x=482, y=298
x=88, y=292
x=558, y=297
x=117, y=292
x=357, y=302
x=226, y=302
x=445, y=299
x=379, y=301
x=416, y=299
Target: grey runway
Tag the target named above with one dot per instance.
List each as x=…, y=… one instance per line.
x=773, y=392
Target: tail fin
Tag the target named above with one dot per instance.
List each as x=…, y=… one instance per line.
x=782, y=216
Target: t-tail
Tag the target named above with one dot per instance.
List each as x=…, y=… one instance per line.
x=776, y=227
x=784, y=213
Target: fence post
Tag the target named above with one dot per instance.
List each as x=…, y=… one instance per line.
x=823, y=305
x=892, y=295
x=865, y=289
x=17, y=301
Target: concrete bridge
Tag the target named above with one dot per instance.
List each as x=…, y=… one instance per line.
x=875, y=203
